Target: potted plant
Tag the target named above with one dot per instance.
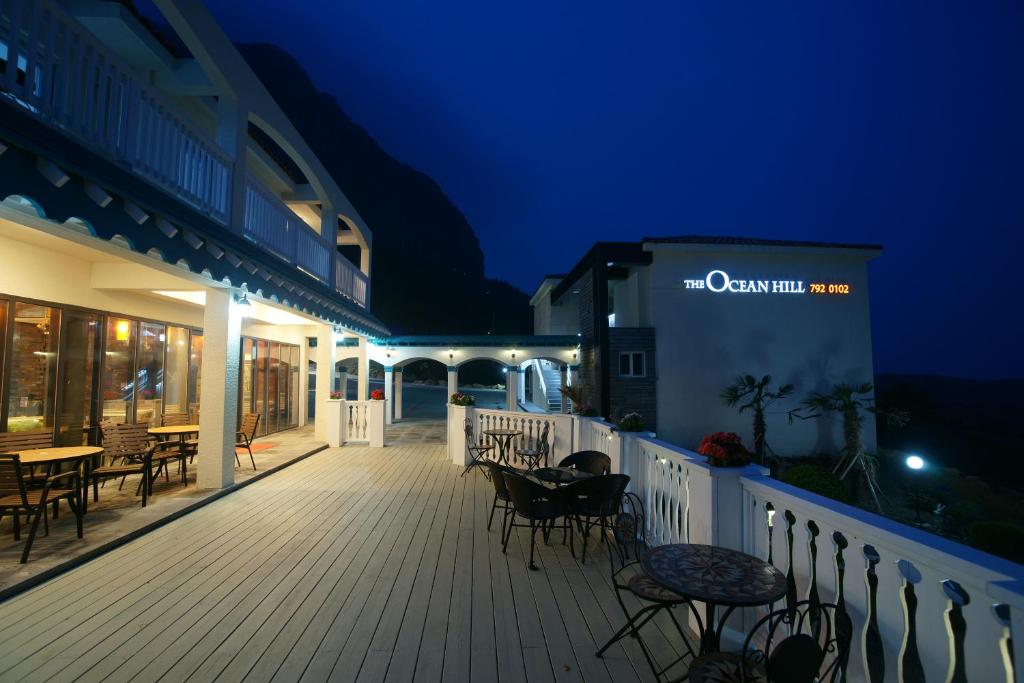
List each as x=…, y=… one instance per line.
x=577, y=396
x=336, y=396
x=750, y=394
x=631, y=422
x=724, y=449
x=461, y=399
x=377, y=395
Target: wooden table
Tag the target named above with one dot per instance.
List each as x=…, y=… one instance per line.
x=714, y=576
x=504, y=438
x=53, y=457
x=174, y=430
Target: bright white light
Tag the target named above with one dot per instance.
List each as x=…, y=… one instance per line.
x=504, y=370
x=915, y=462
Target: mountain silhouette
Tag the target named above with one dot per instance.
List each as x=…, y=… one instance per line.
x=428, y=268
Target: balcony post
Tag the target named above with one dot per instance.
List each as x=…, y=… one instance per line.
x=453, y=380
x=364, y=371
x=398, y=393
x=389, y=394
x=222, y=328
x=511, y=387
x=324, y=378
x=232, y=136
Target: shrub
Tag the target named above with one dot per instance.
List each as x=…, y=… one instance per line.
x=817, y=479
x=1004, y=539
x=461, y=399
x=631, y=422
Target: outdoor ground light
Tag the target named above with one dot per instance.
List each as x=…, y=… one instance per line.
x=915, y=463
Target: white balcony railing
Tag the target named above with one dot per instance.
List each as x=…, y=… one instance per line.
x=57, y=70
x=349, y=281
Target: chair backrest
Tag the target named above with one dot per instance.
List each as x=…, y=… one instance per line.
x=628, y=542
x=467, y=427
x=20, y=441
x=250, y=421
x=594, y=462
x=176, y=419
x=525, y=494
x=796, y=644
x=12, y=481
x=121, y=440
x=497, y=471
x=599, y=496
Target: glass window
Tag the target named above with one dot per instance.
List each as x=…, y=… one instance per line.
x=33, y=382
x=195, y=373
x=260, y=384
x=118, y=361
x=631, y=364
x=176, y=372
x=245, y=398
x=149, y=381
x=81, y=336
x=295, y=386
x=273, y=386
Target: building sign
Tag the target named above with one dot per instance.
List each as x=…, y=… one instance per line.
x=718, y=281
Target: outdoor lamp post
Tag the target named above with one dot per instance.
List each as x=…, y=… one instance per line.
x=915, y=463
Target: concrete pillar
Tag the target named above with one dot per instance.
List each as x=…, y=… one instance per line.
x=218, y=418
x=389, y=394
x=521, y=384
x=511, y=387
x=324, y=378
x=453, y=380
x=364, y=370
x=563, y=373
x=398, y=393
x=342, y=376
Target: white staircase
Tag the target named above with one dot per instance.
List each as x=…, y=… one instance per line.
x=553, y=385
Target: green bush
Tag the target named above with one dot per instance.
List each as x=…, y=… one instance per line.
x=1004, y=539
x=817, y=479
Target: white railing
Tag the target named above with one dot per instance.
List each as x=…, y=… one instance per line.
x=58, y=71
x=349, y=281
x=904, y=590
x=312, y=254
x=362, y=422
x=269, y=222
x=560, y=432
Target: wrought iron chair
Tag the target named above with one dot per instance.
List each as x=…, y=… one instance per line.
x=501, y=497
x=595, y=502
x=18, y=499
x=538, y=504
x=477, y=450
x=246, y=435
x=594, y=462
x=807, y=650
x=536, y=449
x=626, y=548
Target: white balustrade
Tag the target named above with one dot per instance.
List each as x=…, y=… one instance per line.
x=58, y=71
x=363, y=422
x=349, y=281
x=312, y=254
x=269, y=222
x=560, y=432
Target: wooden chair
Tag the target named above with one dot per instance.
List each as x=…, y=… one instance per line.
x=177, y=420
x=22, y=441
x=131, y=441
x=18, y=499
x=120, y=458
x=595, y=502
x=245, y=436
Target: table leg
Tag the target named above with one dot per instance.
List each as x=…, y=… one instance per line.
x=709, y=640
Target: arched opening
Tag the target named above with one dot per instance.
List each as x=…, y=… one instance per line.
x=421, y=390
x=485, y=380
x=542, y=384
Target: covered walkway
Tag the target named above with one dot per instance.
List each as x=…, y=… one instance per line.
x=354, y=564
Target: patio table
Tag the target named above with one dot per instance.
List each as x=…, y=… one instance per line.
x=503, y=437
x=714, y=576
x=82, y=456
x=560, y=475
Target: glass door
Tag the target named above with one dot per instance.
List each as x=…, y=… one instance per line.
x=195, y=373
x=31, y=398
x=149, y=374
x=260, y=384
x=273, y=386
x=176, y=372
x=77, y=369
x=116, y=385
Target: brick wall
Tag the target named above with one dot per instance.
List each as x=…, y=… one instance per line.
x=588, y=354
x=633, y=394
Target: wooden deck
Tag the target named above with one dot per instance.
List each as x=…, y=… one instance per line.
x=355, y=564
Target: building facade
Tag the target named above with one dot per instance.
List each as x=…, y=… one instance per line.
x=168, y=241
x=666, y=324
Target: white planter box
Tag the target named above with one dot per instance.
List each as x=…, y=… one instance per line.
x=333, y=421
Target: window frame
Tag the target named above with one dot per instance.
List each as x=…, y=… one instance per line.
x=631, y=356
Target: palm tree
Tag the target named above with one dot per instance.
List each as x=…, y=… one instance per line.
x=750, y=394
x=851, y=402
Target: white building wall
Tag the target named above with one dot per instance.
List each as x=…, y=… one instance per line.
x=704, y=340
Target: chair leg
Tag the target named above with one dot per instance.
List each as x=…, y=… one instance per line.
x=250, y=457
x=533, y=542
x=40, y=512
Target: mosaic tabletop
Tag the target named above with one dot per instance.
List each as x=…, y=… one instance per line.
x=715, y=575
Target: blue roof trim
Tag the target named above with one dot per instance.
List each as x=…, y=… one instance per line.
x=544, y=340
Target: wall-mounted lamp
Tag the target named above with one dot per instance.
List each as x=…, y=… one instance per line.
x=244, y=305
x=451, y=353
x=574, y=355
x=513, y=354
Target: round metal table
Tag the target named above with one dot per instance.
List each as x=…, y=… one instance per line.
x=560, y=476
x=504, y=438
x=714, y=576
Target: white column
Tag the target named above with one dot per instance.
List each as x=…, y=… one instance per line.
x=453, y=380
x=511, y=387
x=521, y=384
x=364, y=370
x=563, y=373
x=231, y=134
x=342, y=376
x=218, y=418
x=389, y=394
x=398, y=393
x=324, y=377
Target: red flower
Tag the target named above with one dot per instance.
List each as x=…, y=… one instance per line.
x=724, y=449
x=377, y=394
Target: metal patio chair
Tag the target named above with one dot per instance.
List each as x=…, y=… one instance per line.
x=17, y=499
x=595, y=502
x=594, y=462
x=246, y=435
x=796, y=644
x=477, y=450
x=627, y=545
x=538, y=504
x=536, y=449
x=501, y=497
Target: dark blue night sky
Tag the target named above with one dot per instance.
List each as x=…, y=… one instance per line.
x=552, y=125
